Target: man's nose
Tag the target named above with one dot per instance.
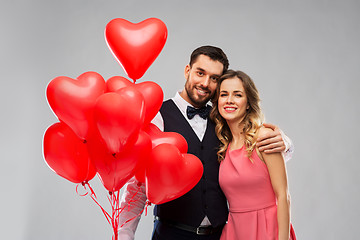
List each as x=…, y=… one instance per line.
x=205, y=81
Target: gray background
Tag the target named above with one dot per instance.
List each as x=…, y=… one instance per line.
x=303, y=56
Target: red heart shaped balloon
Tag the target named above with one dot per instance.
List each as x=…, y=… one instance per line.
x=115, y=170
x=119, y=117
x=135, y=45
x=116, y=83
x=144, y=159
x=153, y=96
x=66, y=154
x=158, y=137
x=170, y=174
x=151, y=91
x=72, y=100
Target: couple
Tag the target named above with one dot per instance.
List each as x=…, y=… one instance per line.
x=251, y=173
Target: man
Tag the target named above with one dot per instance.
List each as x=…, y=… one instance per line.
x=202, y=212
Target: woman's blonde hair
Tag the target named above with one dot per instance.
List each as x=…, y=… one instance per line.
x=253, y=118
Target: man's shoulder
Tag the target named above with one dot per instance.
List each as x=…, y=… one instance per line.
x=167, y=103
x=169, y=109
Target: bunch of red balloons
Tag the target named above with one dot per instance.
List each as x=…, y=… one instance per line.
x=105, y=126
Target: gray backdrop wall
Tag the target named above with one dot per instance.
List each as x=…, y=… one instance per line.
x=303, y=55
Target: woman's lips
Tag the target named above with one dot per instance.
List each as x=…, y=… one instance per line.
x=230, y=109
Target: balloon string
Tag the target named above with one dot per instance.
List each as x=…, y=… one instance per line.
x=148, y=203
x=114, y=199
x=81, y=195
x=93, y=197
x=145, y=209
x=128, y=204
x=114, y=202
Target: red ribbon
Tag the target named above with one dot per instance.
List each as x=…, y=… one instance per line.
x=114, y=200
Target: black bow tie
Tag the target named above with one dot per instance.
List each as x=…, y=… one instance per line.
x=203, y=112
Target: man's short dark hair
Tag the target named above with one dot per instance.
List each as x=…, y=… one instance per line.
x=214, y=53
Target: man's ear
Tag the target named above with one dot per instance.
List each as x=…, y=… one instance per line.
x=187, y=71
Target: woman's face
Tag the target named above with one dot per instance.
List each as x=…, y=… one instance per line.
x=232, y=102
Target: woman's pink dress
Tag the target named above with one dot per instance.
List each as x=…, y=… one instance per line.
x=252, y=202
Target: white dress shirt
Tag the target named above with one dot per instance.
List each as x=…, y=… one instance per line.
x=133, y=210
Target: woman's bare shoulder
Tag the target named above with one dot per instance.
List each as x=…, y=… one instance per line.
x=263, y=131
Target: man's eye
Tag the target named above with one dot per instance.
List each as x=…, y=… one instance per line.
x=214, y=79
x=200, y=73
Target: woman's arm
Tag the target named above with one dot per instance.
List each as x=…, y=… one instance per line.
x=277, y=171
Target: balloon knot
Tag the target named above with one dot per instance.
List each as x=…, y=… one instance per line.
x=114, y=155
x=84, y=141
x=139, y=184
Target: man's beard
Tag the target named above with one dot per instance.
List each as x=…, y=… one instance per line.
x=196, y=102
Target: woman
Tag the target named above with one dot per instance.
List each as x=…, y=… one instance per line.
x=254, y=183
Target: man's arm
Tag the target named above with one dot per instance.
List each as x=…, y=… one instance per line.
x=133, y=199
x=132, y=202
x=275, y=141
